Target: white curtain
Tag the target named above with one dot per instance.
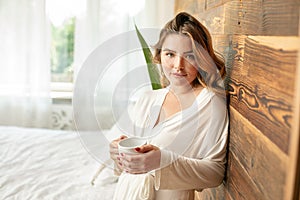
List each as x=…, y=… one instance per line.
x=102, y=20
x=24, y=64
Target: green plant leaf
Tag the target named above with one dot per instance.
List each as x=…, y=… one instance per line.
x=152, y=68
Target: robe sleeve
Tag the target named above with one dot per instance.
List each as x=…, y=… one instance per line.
x=190, y=173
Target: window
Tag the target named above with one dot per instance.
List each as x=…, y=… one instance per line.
x=62, y=15
x=62, y=51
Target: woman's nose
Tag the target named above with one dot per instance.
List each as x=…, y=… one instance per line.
x=179, y=63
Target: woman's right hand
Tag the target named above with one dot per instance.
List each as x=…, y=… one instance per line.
x=114, y=153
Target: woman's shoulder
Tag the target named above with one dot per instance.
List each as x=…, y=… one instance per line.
x=209, y=98
x=213, y=95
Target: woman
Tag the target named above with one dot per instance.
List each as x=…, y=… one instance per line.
x=185, y=122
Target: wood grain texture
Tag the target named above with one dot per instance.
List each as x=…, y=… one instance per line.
x=262, y=85
x=189, y=6
x=211, y=4
x=248, y=17
x=234, y=56
x=280, y=17
x=269, y=114
x=293, y=172
x=256, y=167
x=212, y=19
x=240, y=185
x=259, y=17
x=243, y=17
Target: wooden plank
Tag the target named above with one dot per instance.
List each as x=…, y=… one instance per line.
x=257, y=109
x=234, y=57
x=293, y=170
x=243, y=17
x=256, y=167
x=280, y=17
x=189, y=6
x=213, y=4
x=261, y=86
x=198, y=6
x=223, y=45
x=277, y=64
x=213, y=19
x=274, y=18
x=239, y=184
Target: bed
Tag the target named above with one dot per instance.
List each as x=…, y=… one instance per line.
x=50, y=164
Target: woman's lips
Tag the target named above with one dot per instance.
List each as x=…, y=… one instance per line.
x=179, y=74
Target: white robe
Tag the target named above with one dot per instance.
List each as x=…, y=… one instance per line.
x=192, y=142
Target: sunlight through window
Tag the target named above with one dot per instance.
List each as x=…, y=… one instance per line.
x=60, y=10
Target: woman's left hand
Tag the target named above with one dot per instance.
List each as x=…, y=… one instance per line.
x=147, y=160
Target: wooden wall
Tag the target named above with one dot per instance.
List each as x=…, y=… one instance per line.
x=260, y=42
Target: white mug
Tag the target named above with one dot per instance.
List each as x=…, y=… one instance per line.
x=128, y=145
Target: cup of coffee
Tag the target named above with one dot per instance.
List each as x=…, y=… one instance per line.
x=128, y=145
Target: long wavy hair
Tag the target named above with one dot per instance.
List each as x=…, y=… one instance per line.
x=211, y=67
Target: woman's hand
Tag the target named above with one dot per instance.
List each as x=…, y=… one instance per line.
x=147, y=160
x=114, y=153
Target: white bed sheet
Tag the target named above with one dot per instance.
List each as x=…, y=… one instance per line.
x=49, y=164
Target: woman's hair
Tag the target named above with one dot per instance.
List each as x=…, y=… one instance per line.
x=211, y=68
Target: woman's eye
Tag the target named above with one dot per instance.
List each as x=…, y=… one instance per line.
x=190, y=57
x=169, y=54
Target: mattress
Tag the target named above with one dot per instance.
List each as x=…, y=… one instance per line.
x=49, y=164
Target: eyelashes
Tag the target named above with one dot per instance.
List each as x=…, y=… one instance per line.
x=190, y=57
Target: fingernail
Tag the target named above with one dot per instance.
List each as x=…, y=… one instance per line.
x=138, y=149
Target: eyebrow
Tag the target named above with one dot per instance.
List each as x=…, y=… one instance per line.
x=187, y=52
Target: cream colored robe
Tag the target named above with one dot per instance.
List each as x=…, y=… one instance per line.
x=192, y=142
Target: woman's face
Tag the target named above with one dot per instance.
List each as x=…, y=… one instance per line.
x=178, y=60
